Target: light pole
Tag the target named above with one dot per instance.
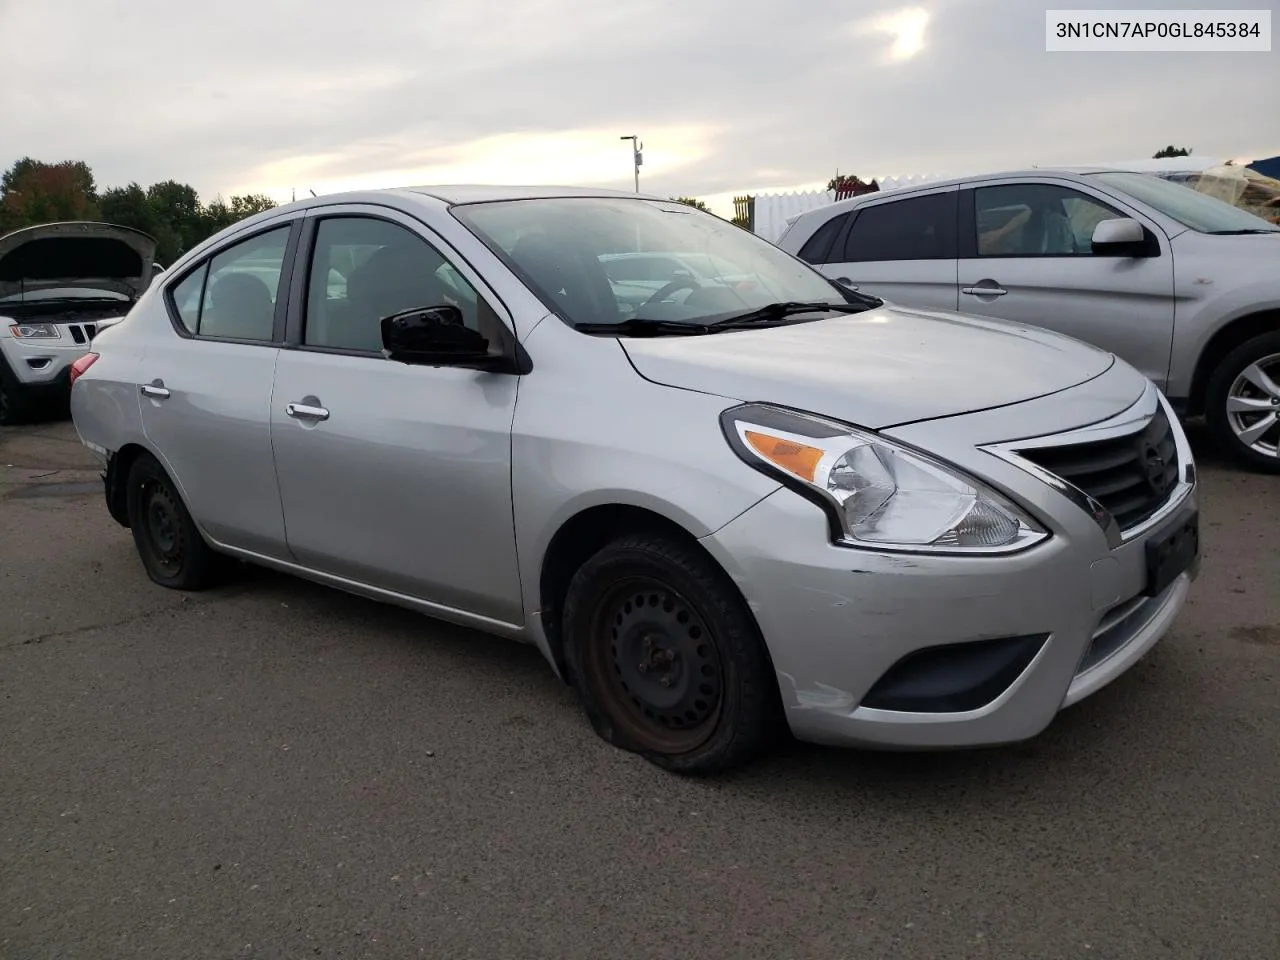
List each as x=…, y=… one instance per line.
x=636, y=156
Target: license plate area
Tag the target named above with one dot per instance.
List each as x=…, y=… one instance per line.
x=1172, y=553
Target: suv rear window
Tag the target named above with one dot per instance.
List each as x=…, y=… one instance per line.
x=914, y=228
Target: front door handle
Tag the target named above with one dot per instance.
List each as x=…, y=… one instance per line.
x=156, y=390
x=305, y=411
x=994, y=290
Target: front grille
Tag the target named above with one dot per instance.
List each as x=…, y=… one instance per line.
x=82, y=332
x=1132, y=476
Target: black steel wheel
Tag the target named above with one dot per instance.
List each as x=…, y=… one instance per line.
x=666, y=657
x=171, y=548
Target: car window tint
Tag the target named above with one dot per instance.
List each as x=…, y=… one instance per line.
x=1036, y=220
x=186, y=298
x=817, y=249
x=244, y=281
x=915, y=228
x=364, y=269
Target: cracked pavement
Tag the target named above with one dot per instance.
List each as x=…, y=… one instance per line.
x=273, y=769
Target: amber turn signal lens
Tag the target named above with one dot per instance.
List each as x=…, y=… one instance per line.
x=796, y=458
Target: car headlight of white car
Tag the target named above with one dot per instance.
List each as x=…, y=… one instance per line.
x=878, y=494
x=34, y=331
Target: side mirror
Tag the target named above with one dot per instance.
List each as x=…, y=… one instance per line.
x=1120, y=237
x=437, y=336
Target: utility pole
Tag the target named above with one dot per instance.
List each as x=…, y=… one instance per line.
x=636, y=156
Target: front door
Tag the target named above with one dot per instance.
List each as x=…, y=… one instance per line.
x=393, y=475
x=1026, y=255
x=205, y=391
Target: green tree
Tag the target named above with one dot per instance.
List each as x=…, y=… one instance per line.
x=691, y=201
x=180, y=225
x=251, y=204
x=1171, y=151
x=129, y=207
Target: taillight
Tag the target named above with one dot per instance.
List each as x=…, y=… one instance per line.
x=81, y=365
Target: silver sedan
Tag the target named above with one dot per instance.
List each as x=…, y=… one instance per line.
x=753, y=501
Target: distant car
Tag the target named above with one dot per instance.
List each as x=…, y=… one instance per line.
x=60, y=284
x=746, y=505
x=1183, y=286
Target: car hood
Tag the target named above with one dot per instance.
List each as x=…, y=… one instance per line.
x=882, y=368
x=78, y=255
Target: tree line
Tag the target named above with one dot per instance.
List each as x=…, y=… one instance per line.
x=34, y=192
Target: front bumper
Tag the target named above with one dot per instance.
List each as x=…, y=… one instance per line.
x=42, y=364
x=837, y=620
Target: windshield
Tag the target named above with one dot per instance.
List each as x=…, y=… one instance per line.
x=609, y=260
x=1189, y=207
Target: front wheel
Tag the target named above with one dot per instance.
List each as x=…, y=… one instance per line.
x=666, y=657
x=1243, y=403
x=172, y=550
x=15, y=405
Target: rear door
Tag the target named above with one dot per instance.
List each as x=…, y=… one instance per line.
x=903, y=249
x=205, y=390
x=1026, y=255
x=394, y=475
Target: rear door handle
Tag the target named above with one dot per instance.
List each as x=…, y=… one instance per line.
x=156, y=390
x=991, y=291
x=305, y=411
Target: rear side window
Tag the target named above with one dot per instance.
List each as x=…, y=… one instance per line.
x=233, y=295
x=915, y=228
x=817, y=249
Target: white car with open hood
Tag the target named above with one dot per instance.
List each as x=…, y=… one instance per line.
x=60, y=283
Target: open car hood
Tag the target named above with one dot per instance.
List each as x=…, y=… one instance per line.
x=76, y=255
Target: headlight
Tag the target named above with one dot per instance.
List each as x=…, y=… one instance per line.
x=35, y=331
x=877, y=493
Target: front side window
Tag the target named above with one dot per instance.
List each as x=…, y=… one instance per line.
x=1191, y=208
x=584, y=256
x=233, y=295
x=1036, y=220
x=817, y=249
x=915, y=228
x=364, y=269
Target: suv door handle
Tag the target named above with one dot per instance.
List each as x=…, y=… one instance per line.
x=305, y=411
x=156, y=390
x=992, y=291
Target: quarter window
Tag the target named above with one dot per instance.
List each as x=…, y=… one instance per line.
x=818, y=247
x=1036, y=220
x=364, y=269
x=914, y=228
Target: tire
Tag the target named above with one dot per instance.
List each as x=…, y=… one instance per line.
x=171, y=548
x=15, y=405
x=1234, y=403
x=667, y=659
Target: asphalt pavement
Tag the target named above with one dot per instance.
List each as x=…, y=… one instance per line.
x=276, y=770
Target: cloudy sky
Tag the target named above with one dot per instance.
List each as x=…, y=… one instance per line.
x=727, y=95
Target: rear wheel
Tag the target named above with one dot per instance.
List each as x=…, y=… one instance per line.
x=667, y=658
x=1243, y=403
x=172, y=550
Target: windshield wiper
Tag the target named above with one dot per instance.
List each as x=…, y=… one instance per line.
x=1238, y=233
x=643, y=326
x=776, y=312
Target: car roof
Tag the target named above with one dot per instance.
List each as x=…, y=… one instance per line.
x=485, y=193
x=820, y=215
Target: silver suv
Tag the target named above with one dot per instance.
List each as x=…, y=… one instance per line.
x=1181, y=285
x=748, y=501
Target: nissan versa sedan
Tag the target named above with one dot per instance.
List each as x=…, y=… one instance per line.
x=755, y=501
